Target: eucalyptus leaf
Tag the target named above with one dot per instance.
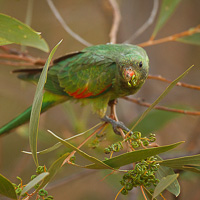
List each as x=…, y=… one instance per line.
x=187, y=163
x=167, y=90
x=14, y=31
x=191, y=39
x=167, y=9
x=6, y=188
x=33, y=182
x=164, y=183
x=53, y=169
x=36, y=107
x=134, y=156
x=97, y=162
x=174, y=187
x=156, y=120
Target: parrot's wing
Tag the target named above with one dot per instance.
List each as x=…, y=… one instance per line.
x=82, y=75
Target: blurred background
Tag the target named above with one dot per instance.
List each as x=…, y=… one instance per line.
x=92, y=20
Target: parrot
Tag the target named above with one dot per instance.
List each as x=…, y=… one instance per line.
x=95, y=75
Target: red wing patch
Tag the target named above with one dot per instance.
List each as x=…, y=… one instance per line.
x=85, y=93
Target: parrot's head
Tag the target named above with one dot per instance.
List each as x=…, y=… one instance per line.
x=134, y=66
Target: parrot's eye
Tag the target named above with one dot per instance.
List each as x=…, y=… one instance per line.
x=140, y=64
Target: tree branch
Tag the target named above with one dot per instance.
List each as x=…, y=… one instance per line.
x=116, y=21
x=160, y=78
x=149, y=21
x=65, y=26
x=142, y=103
x=171, y=37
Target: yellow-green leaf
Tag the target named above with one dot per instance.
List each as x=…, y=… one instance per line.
x=33, y=182
x=14, y=31
x=187, y=163
x=167, y=8
x=167, y=90
x=6, y=188
x=36, y=107
x=163, y=171
x=164, y=183
x=191, y=39
x=53, y=169
x=134, y=156
x=97, y=162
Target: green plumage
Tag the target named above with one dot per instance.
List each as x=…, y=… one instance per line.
x=95, y=75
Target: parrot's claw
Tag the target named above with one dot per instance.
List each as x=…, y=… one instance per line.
x=116, y=125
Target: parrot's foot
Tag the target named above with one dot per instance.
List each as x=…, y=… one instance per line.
x=116, y=125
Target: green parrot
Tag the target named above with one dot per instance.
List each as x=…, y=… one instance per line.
x=95, y=76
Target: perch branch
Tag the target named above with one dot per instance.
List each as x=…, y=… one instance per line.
x=149, y=21
x=171, y=37
x=142, y=103
x=65, y=26
x=116, y=21
x=160, y=78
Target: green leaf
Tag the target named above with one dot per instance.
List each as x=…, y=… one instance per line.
x=187, y=163
x=191, y=39
x=33, y=182
x=163, y=171
x=59, y=144
x=6, y=188
x=14, y=31
x=167, y=9
x=167, y=90
x=3, y=41
x=53, y=169
x=134, y=156
x=99, y=163
x=164, y=183
x=36, y=107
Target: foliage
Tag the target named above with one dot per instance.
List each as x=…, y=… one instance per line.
x=149, y=171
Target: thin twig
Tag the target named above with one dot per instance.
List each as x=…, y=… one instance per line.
x=139, y=102
x=116, y=21
x=143, y=193
x=65, y=26
x=20, y=57
x=171, y=37
x=73, y=152
x=10, y=63
x=149, y=21
x=160, y=78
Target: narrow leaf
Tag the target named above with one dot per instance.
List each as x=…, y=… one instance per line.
x=6, y=188
x=163, y=171
x=191, y=39
x=167, y=90
x=33, y=182
x=14, y=31
x=164, y=183
x=99, y=163
x=134, y=156
x=156, y=120
x=187, y=163
x=59, y=144
x=167, y=9
x=53, y=169
x=36, y=107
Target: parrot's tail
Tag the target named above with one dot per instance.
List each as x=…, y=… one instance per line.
x=49, y=101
